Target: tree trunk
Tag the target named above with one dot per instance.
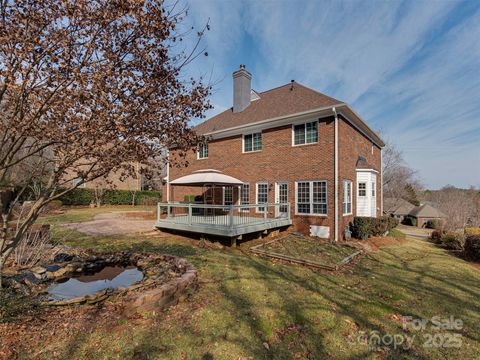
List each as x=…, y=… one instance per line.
x=2, y=263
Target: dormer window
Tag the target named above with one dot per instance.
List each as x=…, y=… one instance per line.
x=202, y=151
x=252, y=142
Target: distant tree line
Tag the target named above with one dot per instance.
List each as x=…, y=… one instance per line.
x=462, y=206
x=400, y=181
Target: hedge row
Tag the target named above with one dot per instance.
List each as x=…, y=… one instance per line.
x=470, y=244
x=364, y=227
x=472, y=247
x=472, y=231
x=111, y=197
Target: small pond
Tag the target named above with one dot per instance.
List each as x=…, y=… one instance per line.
x=110, y=277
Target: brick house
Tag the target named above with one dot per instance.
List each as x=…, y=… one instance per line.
x=288, y=145
x=115, y=180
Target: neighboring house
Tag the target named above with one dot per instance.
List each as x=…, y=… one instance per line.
x=114, y=181
x=398, y=208
x=311, y=154
x=426, y=212
x=401, y=209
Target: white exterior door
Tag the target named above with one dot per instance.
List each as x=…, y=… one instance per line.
x=281, y=197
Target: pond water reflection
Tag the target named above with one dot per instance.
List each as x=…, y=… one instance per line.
x=109, y=277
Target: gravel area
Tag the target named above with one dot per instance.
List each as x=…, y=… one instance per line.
x=115, y=223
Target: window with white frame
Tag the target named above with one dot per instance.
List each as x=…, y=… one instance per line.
x=311, y=197
x=79, y=182
x=262, y=196
x=362, y=189
x=252, y=142
x=306, y=133
x=245, y=196
x=227, y=195
x=373, y=189
x=347, y=197
x=202, y=151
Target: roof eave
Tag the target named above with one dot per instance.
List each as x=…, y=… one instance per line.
x=372, y=135
x=343, y=108
x=323, y=111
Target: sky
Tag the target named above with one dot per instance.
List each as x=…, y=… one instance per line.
x=411, y=69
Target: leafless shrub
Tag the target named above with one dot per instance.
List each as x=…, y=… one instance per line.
x=32, y=247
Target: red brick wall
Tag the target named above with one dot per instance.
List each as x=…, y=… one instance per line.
x=352, y=144
x=280, y=161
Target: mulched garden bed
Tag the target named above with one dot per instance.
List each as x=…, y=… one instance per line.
x=308, y=251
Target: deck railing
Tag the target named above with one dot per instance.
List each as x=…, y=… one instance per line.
x=228, y=216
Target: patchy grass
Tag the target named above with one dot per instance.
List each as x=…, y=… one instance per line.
x=250, y=307
x=13, y=306
x=396, y=234
x=83, y=214
x=307, y=248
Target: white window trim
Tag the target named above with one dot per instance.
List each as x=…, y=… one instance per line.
x=256, y=197
x=243, y=142
x=305, y=123
x=241, y=198
x=366, y=189
x=198, y=153
x=223, y=195
x=311, y=195
x=81, y=185
x=350, y=183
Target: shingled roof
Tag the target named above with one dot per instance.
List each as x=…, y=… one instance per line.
x=285, y=100
x=363, y=164
x=427, y=211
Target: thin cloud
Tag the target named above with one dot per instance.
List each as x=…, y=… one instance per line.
x=410, y=68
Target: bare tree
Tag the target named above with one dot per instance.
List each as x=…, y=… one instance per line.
x=462, y=206
x=397, y=175
x=88, y=87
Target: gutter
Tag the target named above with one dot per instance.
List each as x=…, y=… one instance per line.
x=336, y=176
x=239, y=129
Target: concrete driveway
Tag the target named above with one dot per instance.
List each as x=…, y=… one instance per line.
x=415, y=231
x=116, y=223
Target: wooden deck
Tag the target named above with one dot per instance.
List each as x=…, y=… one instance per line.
x=229, y=221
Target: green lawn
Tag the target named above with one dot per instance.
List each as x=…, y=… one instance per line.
x=250, y=307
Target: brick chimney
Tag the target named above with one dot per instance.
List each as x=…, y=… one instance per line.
x=242, y=85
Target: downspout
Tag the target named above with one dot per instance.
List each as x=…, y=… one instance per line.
x=381, y=182
x=336, y=177
x=168, y=176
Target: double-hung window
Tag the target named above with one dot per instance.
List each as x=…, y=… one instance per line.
x=228, y=195
x=202, y=151
x=262, y=196
x=311, y=198
x=245, y=196
x=306, y=133
x=79, y=182
x=362, y=189
x=347, y=197
x=252, y=142
x=373, y=189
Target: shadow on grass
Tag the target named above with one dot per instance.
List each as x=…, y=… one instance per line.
x=251, y=302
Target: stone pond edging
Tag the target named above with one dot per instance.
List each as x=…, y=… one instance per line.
x=166, y=281
x=171, y=293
